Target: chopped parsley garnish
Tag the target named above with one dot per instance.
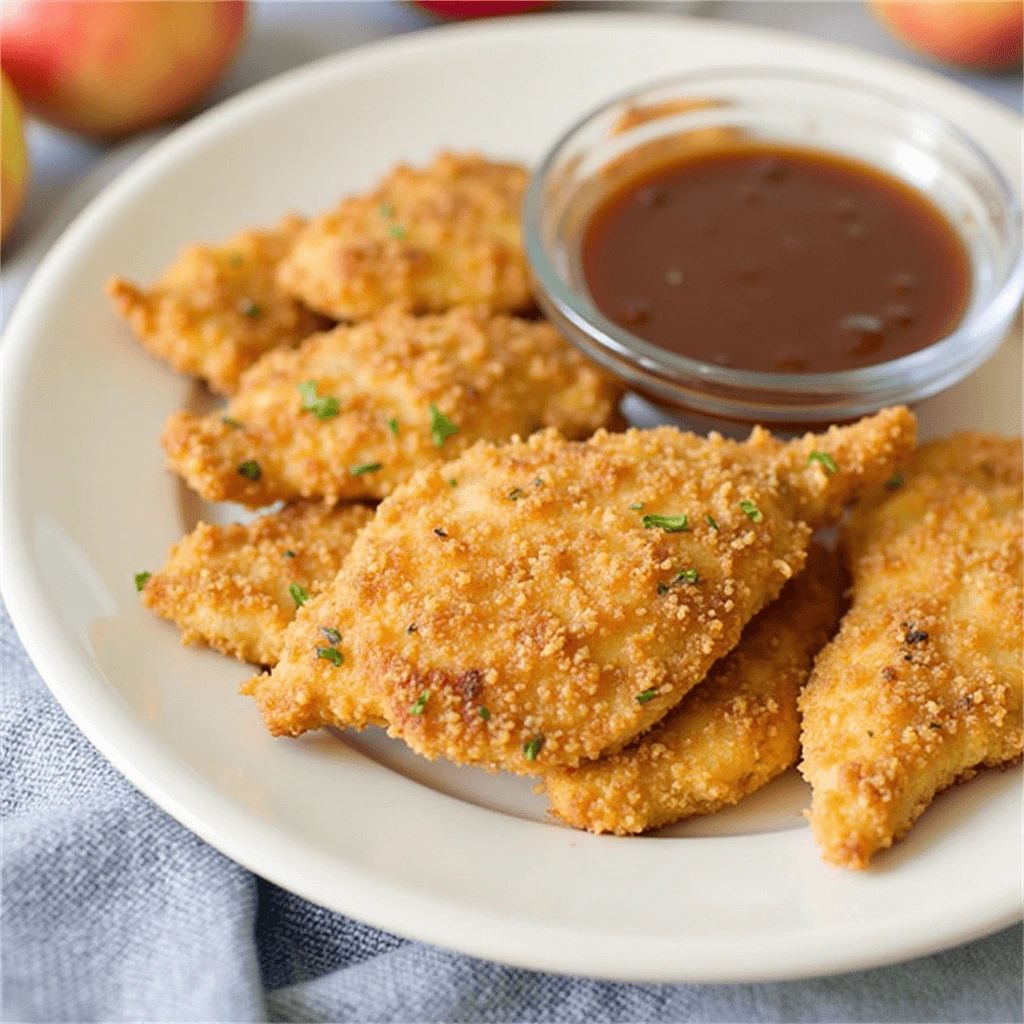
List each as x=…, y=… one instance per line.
x=440, y=532
x=453, y=482
x=440, y=426
x=532, y=749
x=393, y=426
x=684, y=575
x=365, y=467
x=824, y=458
x=662, y=588
x=332, y=654
x=250, y=470
x=141, y=579
x=333, y=636
x=896, y=481
x=300, y=595
x=670, y=524
x=289, y=554
x=249, y=308
x=643, y=698
x=638, y=507
x=397, y=231
x=483, y=713
x=753, y=512
x=421, y=703
x=323, y=408
x=515, y=494
x=235, y=259
x=231, y=422
x=387, y=210
x=711, y=521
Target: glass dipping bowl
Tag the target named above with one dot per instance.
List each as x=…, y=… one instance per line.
x=669, y=119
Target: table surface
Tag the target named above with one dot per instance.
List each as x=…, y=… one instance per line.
x=286, y=33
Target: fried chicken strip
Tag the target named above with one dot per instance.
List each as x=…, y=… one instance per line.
x=233, y=587
x=391, y=394
x=729, y=736
x=447, y=235
x=923, y=684
x=563, y=596
x=217, y=308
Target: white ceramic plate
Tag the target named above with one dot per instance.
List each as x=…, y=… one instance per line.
x=450, y=856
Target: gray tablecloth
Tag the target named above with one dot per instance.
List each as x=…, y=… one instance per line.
x=113, y=911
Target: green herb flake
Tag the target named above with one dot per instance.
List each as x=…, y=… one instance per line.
x=249, y=308
x=532, y=749
x=331, y=654
x=141, y=578
x=440, y=426
x=300, y=595
x=710, y=519
x=643, y=698
x=421, y=703
x=453, y=482
x=515, y=494
x=670, y=524
x=365, y=467
x=824, y=458
x=687, y=576
x=289, y=554
x=397, y=231
x=235, y=259
x=483, y=713
x=324, y=407
x=753, y=513
x=250, y=470
x=333, y=636
x=638, y=507
x=393, y=426
x=662, y=588
x=231, y=422
x=387, y=210
x=895, y=482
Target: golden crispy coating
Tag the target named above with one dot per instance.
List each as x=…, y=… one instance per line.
x=491, y=376
x=430, y=239
x=217, y=309
x=540, y=590
x=229, y=586
x=732, y=734
x=923, y=683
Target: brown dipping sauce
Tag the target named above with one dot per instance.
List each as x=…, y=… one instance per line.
x=776, y=258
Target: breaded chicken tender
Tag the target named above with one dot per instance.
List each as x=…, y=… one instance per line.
x=729, y=736
x=562, y=597
x=447, y=235
x=217, y=308
x=923, y=684
x=236, y=588
x=354, y=412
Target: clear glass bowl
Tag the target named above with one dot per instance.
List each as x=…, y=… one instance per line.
x=811, y=110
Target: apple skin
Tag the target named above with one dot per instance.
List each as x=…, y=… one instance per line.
x=984, y=35
x=14, y=168
x=459, y=10
x=104, y=69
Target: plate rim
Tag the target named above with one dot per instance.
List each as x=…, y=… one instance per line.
x=263, y=848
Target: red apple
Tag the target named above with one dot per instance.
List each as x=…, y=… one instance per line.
x=457, y=10
x=982, y=34
x=104, y=68
x=13, y=156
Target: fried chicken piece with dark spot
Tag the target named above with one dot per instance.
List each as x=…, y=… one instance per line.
x=217, y=308
x=923, y=684
x=513, y=620
x=729, y=736
x=426, y=239
x=237, y=587
x=354, y=412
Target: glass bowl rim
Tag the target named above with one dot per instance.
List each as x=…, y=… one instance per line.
x=937, y=359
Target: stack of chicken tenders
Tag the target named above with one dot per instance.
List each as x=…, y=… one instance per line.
x=467, y=548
